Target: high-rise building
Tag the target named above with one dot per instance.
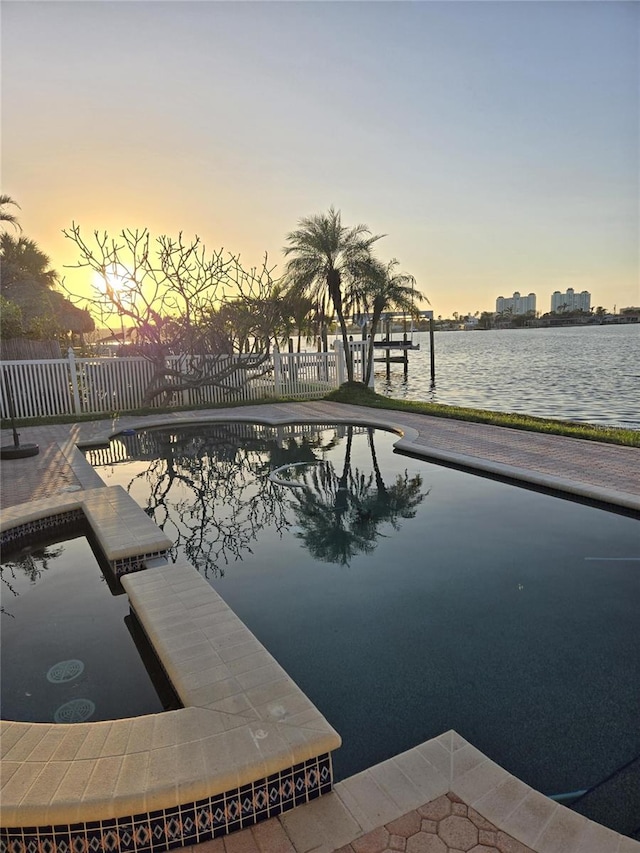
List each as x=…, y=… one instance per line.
x=516, y=304
x=570, y=301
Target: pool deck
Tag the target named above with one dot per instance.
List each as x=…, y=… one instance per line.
x=604, y=472
x=444, y=796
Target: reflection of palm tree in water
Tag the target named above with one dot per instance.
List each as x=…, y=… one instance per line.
x=208, y=489
x=340, y=516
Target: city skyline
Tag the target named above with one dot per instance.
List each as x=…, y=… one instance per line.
x=496, y=145
x=569, y=300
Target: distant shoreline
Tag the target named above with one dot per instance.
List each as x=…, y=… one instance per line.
x=537, y=324
x=618, y=320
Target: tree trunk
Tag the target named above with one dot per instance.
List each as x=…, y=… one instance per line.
x=333, y=281
x=348, y=355
x=374, y=328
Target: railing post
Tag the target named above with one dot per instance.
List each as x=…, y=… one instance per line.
x=74, y=381
x=277, y=374
x=340, y=362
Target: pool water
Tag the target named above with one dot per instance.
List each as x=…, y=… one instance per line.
x=406, y=598
x=71, y=650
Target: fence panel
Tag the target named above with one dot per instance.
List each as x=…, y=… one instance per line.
x=112, y=384
x=40, y=388
x=104, y=385
x=359, y=356
x=230, y=388
x=307, y=374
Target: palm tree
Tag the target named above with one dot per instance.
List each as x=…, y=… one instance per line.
x=23, y=260
x=28, y=281
x=383, y=289
x=5, y=216
x=325, y=254
x=300, y=308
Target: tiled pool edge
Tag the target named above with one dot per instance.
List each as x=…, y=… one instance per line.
x=244, y=748
x=126, y=535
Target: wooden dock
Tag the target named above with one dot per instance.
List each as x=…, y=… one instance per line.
x=401, y=345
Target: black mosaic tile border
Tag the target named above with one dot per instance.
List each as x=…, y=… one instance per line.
x=127, y=565
x=183, y=825
x=59, y=521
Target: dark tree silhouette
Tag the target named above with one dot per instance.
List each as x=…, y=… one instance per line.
x=325, y=255
x=381, y=288
x=6, y=215
x=177, y=300
x=27, y=283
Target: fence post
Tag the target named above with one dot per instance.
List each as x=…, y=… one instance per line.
x=74, y=381
x=277, y=374
x=340, y=362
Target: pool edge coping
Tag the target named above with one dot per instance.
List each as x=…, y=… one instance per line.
x=406, y=443
x=47, y=752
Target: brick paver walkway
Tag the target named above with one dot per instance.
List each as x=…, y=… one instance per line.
x=604, y=467
x=446, y=825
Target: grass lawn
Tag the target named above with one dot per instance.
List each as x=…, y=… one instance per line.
x=357, y=395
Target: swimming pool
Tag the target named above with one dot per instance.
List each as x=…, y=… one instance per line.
x=73, y=651
x=406, y=598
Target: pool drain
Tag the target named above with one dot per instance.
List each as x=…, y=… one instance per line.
x=76, y=711
x=65, y=670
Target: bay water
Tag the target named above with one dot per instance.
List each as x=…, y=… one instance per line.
x=578, y=373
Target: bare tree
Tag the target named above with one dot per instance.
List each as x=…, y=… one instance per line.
x=175, y=300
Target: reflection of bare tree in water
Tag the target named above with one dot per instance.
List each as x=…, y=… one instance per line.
x=32, y=562
x=340, y=515
x=209, y=488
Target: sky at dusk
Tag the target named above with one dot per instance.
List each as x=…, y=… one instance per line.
x=494, y=143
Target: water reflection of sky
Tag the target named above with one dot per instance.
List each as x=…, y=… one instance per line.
x=479, y=609
x=57, y=608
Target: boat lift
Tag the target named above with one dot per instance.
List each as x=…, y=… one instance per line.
x=387, y=343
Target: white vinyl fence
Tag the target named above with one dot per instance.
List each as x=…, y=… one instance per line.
x=75, y=386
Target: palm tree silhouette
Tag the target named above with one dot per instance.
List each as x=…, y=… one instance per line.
x=383, y=289
x=5, y=215
x=29, y=282
x=22, y=260
x=326, y=255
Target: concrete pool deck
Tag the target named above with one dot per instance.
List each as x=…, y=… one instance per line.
x=425, y=800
